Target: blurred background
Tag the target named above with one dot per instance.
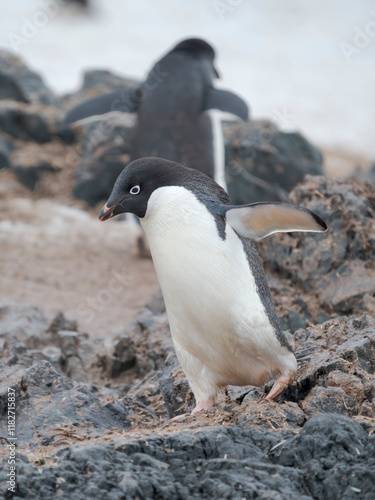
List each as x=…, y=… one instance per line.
x=305, y=66
x=312, y=62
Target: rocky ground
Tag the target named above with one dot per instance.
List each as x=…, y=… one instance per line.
x=95, y=392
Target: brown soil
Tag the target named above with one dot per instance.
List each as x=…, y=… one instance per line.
x=61, y=258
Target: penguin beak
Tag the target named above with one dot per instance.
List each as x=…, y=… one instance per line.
x=110, y=211
x=107, y=212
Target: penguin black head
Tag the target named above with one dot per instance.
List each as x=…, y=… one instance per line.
x=197, y=48
x=140, y=178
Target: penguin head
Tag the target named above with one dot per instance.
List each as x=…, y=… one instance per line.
x=139, y=179
x=198, y=48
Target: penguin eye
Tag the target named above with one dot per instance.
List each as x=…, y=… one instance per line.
x=135, y=190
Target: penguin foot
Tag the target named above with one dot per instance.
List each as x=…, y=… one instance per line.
x=280, y=384
x=204, y=405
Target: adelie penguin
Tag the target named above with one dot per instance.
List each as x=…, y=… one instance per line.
x=174, y=106
x=222, y=319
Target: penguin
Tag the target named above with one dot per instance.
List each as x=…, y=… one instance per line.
x=175, y=106
x=222, y=319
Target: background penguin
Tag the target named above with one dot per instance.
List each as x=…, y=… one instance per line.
x=173, y=108
x=222, y=319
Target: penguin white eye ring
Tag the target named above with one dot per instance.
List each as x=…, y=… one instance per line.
x=222, y=319
x=135, y=190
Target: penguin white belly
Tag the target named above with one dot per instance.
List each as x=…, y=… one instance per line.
x=218, y=321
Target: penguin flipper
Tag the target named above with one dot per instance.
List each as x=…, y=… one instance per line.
x=125, y=100
x=227, y=101
x=259, y=220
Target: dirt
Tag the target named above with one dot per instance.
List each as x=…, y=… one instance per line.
x=57, y=256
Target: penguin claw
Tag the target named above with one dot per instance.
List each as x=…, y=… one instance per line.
x=280, y=384
x=178, y=417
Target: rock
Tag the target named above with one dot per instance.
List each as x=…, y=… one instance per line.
x=261, y=414
x=174, y=388
x=156, y=305
x=146, y=402
x=327, y=400
x=123, y=358
x=107, y=164
x=47, y=400
x=338, y=267
x=54, y=355
x=263, y=163
x=24, y=122
x=31, y=175
x=335, y=454
x=42, y=167
x=19, y=83
x=369, y=176
x=103, y=152
x=4, y=152
x=295, y=308
x=114, y=128
x=214, y=462
x=336, y=368
x=62, y=322
x=98, y=78
x=23, y=321
x=276, y=450
x=27, y=338
x=151, y=337
x=73, y=365
x=351, y=385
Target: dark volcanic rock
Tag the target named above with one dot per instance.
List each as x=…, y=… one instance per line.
x=150, y=336
x=31, y=175
x=332, y=458
x=97, y=78
x=4, y=152
x=263, y=163
x=26, y=337
x=337, y=266
x=123, y=358
x=337, y=457
x=174, y=388
x=336, y=366
x=105, y=164
x=22, y=321
x=369, y=176
x=19, y=83
x=103, y=152
x=327, y=400
x=25, y=123
x=117, y=441
x=47, y=400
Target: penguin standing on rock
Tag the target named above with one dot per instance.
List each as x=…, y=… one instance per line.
x=222, y=319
